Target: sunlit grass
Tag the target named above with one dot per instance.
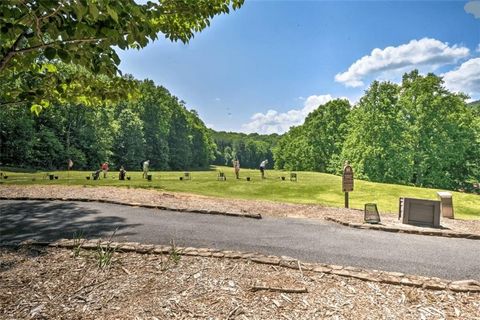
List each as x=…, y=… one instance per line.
x=311, y=188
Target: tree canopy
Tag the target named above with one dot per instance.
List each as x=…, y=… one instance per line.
x=315, y=145
x=375, y=143
x=415, y=133
x=37, y=34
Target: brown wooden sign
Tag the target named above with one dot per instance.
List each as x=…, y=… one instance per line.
x=347, y=179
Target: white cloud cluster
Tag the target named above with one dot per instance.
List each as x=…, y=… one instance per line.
x=279, y=122
x=389, y=62
x=465, y=78
x=473, y=7
x=385, y=64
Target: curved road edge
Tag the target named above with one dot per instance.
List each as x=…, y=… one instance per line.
x=140, y=205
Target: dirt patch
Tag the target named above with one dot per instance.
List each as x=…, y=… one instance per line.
x=50, y=283
x=197, y=202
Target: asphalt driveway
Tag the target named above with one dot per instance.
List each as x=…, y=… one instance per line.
x=307, y=240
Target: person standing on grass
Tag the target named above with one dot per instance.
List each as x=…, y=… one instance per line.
x=146, y=164
x=105, y=169
x=236, y=166
x=263, y=164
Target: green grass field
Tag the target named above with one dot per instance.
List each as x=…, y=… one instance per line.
x=311, y=188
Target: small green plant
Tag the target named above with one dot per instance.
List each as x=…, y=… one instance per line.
x=174, y=253
x=104, y=253
x=78, y=240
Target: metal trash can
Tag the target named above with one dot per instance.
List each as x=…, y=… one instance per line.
x=371, y=214
x=446, y=204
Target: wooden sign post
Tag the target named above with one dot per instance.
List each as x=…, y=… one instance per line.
x=347, y=181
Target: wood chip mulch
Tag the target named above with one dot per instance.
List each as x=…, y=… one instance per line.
x=51, y=283
x=197, y=202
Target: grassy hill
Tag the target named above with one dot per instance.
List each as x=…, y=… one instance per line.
x=311, y=188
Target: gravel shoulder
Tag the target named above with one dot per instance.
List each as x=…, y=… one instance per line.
x=198, y=202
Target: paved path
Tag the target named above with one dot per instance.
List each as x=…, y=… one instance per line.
x=307, y=240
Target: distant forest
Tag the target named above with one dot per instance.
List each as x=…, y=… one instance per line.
x=249, y=149
x=415, y=133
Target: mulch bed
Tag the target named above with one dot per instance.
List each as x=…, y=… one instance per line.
x=52, y=283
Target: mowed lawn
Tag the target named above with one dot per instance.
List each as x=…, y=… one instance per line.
x=311, y=188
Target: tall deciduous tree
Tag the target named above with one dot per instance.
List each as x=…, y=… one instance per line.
x=375, y=144
x=155, y=108
x=179, y=141
x=202, y=143
x=440, y=131
x=17, y=136
x=326, y=129
x=313, y=145
x=292, y=151
x=129, y=141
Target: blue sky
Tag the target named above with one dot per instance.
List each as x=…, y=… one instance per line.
x=264, y=67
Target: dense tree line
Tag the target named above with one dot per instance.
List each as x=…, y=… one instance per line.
x=154, y=126
x=416, y=132
x=58, y=60
x=249, y=149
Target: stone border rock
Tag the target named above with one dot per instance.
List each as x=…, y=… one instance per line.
x=141, y=205
x=379, y=227
x=395, y=278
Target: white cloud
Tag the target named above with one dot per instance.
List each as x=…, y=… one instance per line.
x=279, y=122
x=473, y=7
x=389, y=62
x=465, y=78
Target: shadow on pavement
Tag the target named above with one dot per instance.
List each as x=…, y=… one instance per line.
x=49, y=221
